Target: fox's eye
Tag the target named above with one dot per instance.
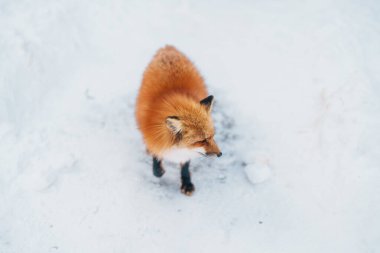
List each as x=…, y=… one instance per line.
x=202, y=141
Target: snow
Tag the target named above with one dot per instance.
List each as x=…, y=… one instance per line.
x=297, y=109
x=258, y=173
x=257, y=167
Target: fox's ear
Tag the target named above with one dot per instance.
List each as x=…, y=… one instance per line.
x=208, y=102
x=174, y=124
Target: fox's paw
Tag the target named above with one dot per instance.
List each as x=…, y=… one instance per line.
x=187, y=188
x=158, y=172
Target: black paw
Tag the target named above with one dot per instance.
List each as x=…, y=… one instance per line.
x=187, y=188
x=158, y=172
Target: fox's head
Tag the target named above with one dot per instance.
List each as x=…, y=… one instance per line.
x=193, y=128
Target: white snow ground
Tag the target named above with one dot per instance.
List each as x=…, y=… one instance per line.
x=297, y=85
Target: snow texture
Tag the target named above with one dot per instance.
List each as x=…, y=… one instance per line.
x=297, y=88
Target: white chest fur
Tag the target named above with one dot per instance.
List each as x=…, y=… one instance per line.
x=181, y=155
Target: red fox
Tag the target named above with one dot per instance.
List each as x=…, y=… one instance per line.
x=173, y=113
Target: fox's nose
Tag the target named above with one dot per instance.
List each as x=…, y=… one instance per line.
x=219, y=154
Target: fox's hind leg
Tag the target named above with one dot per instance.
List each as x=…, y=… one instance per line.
x=187, y=186
x=158, y=171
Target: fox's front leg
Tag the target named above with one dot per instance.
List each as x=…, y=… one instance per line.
x=158, y=171
x=187, y=186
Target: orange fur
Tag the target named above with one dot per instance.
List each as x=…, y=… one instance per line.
x=172, y=86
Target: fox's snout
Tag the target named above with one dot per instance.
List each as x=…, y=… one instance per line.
x=213, y=149
x=217, y=154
